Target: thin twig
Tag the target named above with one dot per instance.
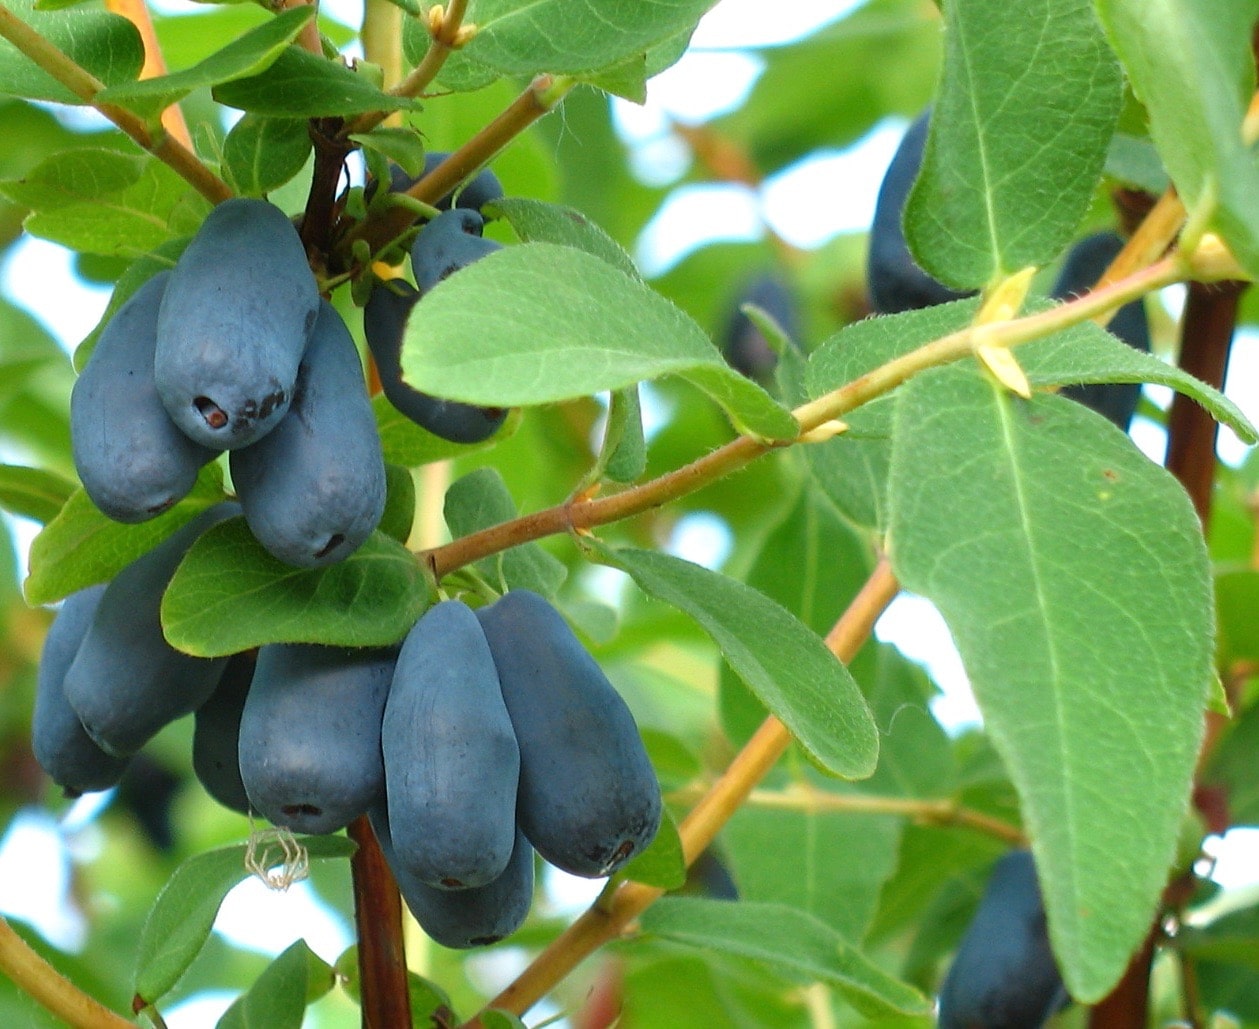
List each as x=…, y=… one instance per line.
x=85, y=86
x=541, y=97
x=444, y=39
x=585, y=514
x=609, y=917
x=33, y=975
x=384, y=996
x=136, y=12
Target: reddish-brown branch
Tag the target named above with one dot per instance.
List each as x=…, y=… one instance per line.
x=1206, y=338
x=384, y=996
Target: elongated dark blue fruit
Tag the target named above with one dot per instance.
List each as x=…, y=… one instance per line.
x=127, y=682
x=310, y=734
x=894, y=280
x=233, y=325
x=745, y=346
x=314, y=488
x=1004, y=975
x=451, y=760
x=475, y=917
x=479, y=191
x=449, y=242
x=1084, y=265
x=384, y=325
x=64, y=750
x=589, y=799
x=133, y=460
x=216, y=734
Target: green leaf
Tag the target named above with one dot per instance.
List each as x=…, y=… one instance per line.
x=137, y=274
x=624, y=451
x=539, y=323
x=105, y=202
x=403, y=146
x=405, y=443
x=780, y=659
x=524, y=37
x=261, y=154
x=481, y=499
x=662, y=864
x=250, y=54
x=33, y=492
x=1233, y=767
x=992, y=197
x=80, y=546
x=1088, y=353
x=299, y=84
x=229, y=594
x=536, y=221
x=812, y=536
x=852, y=467
x=278, y=997
x=628, y=78
x=399, y=513
x=183, y=914
x=1073, y=576
x=427, y=997
x=787, y=940
x=1192, y=67
x=839, y=861
x=106, y=45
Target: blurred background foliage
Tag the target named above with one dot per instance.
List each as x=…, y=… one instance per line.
x=902, y=891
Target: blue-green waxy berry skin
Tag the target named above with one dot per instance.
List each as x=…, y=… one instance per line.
x=126, y=681
x=1084, y=265
x=309, y=747
x=461, y=919
x=64, y=750
x=384, y=325
x=449, y=242
x=216, y=735
x=313, y=489
x=589, y=799
x=134, y=461
x=1004, y=975
x=451, y=760
x=233, y=325
x=895, y=281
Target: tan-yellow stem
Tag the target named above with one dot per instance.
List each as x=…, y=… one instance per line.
x=609, y=917
x=31, y=974
x=137, y=13
x=85, y=86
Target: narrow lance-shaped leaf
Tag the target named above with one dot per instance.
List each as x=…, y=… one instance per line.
x=247, y=55
x=183, y=914
x=229, y=594
x=1191, y=65
x=106, y=45
x=33, y=492
x=299, y=84
x=1027, y=103
x=539, y=323
x=279, y=996
x=523, y=37
x=779, y=658
x=789, y=941
x=1073, y=576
